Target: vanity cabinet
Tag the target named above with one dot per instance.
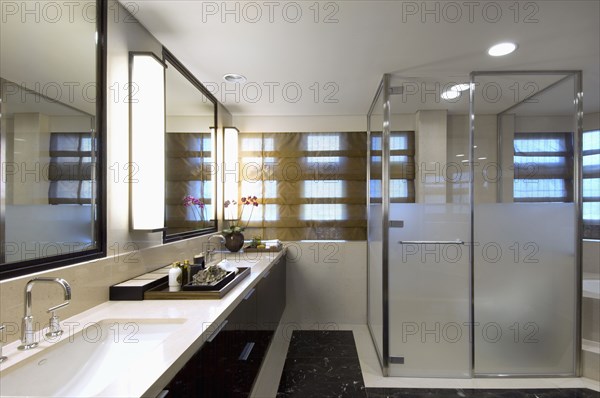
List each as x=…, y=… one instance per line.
x=271, y=297
x=227, y=365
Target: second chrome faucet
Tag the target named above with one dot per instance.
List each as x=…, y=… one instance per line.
x=28, y=334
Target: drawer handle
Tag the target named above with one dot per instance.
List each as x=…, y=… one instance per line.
x=216, y=332
x=250, y=293
x=266, y=275
x=246, y=351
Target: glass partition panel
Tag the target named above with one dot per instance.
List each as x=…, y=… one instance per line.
x=525, y=224
x=375, y=226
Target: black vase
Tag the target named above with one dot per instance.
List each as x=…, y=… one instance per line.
x=234, y=241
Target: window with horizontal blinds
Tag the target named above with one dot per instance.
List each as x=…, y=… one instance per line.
x=591, y=184
x=543, y=167
x=402, y=167
x=72, y=168
x=188, y=171
x=309, y=185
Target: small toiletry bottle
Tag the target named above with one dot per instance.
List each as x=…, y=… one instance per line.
x=175, y=278
x=182, y=279
x=185, y=277
x=199, y=260
x=197, y=266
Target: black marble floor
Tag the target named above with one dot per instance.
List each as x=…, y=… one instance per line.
x=323, y=364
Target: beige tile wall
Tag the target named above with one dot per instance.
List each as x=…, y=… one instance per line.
x=89, y=281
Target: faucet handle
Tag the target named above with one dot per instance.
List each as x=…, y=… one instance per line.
x=57, y=307
x=54, y=329
x=2, y=358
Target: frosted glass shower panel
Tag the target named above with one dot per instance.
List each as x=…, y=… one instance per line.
x=429, y=291
x=525, y=288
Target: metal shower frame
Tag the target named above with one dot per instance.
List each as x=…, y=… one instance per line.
x=385, y=91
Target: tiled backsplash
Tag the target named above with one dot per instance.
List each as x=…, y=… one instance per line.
x=89, y=282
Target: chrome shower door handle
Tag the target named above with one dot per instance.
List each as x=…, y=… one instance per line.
x=431, y=242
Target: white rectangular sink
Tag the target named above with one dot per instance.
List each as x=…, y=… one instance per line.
x=84, y=364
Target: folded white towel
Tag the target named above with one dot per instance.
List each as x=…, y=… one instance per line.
x=227, y=266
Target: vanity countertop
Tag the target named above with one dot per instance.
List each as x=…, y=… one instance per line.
x=155, y=368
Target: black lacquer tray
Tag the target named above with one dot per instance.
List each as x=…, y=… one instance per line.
x=216, y=286
x=216, y=291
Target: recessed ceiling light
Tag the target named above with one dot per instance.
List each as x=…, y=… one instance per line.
x=450, y=94
x=234, y=78
x=501, y=49
x=460, y=87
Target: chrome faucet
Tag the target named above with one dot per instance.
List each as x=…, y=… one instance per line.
x=28, y=336
x=211, y=252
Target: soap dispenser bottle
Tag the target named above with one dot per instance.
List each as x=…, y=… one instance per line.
x=175, y=278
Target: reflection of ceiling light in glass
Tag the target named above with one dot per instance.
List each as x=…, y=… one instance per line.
x=460, y=155
x=234, y=78
x=460, y=87
x=501, y=49
x=450, y=94
x=482, y=158
x=465, y=161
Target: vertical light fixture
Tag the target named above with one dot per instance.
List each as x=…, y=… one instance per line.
x=147, y=141
x=231, y=168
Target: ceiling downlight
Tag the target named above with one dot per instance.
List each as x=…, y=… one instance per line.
x=234, y=78
x=502, y=49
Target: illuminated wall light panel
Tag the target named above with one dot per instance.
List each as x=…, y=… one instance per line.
x=147, y=141
x=231, y=167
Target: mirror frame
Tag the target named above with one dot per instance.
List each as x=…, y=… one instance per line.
x=173, y=61
x=20, y=268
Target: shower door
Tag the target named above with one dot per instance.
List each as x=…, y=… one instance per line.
x=429, y=231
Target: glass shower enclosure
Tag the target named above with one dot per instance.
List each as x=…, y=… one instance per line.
x=474, y=203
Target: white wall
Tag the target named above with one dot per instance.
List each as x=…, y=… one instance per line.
x=31, y=152
x=123, y=37
x=189, y=124
x=308, y=124
x=544, y=124
x=430, y=156
x=326, y=282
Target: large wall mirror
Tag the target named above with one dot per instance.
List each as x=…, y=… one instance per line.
x=51, y=123
x=190, y=186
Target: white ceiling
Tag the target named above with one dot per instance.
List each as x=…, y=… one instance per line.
x=183, y=98
x=338, y=65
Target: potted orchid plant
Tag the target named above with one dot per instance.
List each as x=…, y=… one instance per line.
x=197, y=205
x=234, y=239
